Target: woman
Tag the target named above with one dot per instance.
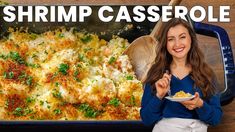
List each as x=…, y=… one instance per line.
x=179, y=54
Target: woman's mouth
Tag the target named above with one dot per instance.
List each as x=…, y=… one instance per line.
x=177, y=50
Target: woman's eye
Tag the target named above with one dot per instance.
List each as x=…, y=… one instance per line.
x=182, y=37
x=169, y=39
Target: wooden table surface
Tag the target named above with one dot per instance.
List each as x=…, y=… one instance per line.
x=228, y=121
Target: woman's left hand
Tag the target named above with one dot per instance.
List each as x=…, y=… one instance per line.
x=196, y=102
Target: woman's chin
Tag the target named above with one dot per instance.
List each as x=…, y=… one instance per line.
x=180, y=56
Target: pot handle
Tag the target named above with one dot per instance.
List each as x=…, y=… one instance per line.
x=227, y=57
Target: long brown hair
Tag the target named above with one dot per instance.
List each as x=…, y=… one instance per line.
x=201, y=73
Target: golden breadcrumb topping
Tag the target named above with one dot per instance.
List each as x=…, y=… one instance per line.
x=66, y=75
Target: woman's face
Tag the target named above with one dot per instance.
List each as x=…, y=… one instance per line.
x=178, y=42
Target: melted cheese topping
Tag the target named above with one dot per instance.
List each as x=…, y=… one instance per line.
x=66, y=75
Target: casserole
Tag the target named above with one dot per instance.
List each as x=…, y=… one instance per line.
x=122, y=29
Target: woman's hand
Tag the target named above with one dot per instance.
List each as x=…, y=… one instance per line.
x=196, y=102
x=163, y=85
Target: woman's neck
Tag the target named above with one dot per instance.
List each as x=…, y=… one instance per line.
x=180, y=68
x=178, y=63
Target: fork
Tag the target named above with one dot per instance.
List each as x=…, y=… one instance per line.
x=169, y=91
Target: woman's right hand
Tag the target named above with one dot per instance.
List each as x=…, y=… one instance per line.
x=163, y=85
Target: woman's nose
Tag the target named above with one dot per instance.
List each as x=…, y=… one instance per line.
x=177, y=42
